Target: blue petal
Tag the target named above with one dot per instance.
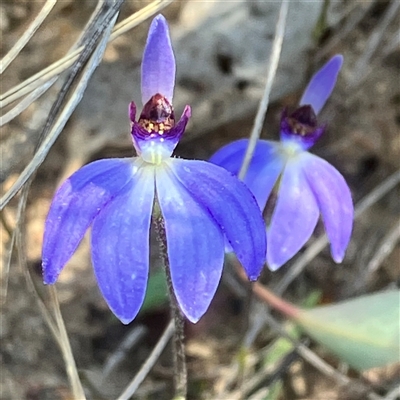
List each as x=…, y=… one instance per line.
x=334, y=200
x=158, y=65
x=232, y=206
x=195, y=246
x=264, y=168
x=294, y=218
x=322, y=83
x=74, y=207
x=120, y=246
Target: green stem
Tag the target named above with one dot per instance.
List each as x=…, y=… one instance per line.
x=180, y=373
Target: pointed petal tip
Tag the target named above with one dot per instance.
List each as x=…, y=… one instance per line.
x=126, y=320
x=158, y=26
x=187, y=112
x=193, y=318
x=158, y=64
x=338, y=60
x=50, y=275
x=125, y=316
x=159, y=19
x=338, y=258
x=253, y=277
x=322, y=84
x=273, y=266
x=132, y=111
x=49, y=280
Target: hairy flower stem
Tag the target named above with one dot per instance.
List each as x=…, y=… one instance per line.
x=180, y=373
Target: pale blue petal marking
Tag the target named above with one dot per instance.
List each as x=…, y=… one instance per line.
x=294, y=218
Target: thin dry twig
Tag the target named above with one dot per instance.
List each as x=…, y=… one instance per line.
x=393, y=394
x=149, y=363
x=26, y=102
x=263, y=106
x=93, y=58
x=309, y=355
x=312, y=251
x=64, y=115
x=393, y=44
x=51, y=137
x=7, y=259
x=388, y=243
x=265, y=376
x=36, y=93
x=20, y=245
x=61, y=65
x=131, y=339
x=355, y=15
x=69, y=361
x=22, y=200
x=24, y=39
x=361, y=68
x=288, y=309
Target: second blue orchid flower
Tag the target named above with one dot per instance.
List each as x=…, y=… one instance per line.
x=307, y=184
x=201, y=204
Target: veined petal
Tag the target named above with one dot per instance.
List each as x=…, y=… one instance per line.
x=195, y=245
x=294, y=218
x=232, y=206
x=322, y=83
x=264, y=169
x=74, y=207
x=120, y=246
x=334, y=200
x=158, y=65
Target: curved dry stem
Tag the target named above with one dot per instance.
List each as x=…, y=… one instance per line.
x=61, y=65
x=56, y=324
x=59, y=123
x=24, y=39
x=149, y=363
x=387, y=245
x=65, y=346
x=262, y=108
x=363, y=63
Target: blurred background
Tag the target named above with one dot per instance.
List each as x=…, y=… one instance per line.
x=222, y=50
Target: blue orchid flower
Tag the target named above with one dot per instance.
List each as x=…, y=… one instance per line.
x=202, y=205
x=307, y=185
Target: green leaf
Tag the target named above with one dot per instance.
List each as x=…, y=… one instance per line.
x=157, y=292
x=281, y=346
x=274, y=391
x=364, y=332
